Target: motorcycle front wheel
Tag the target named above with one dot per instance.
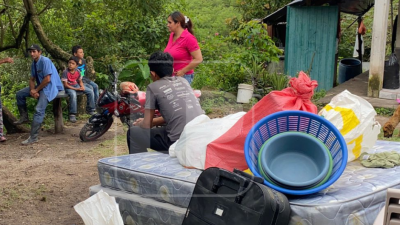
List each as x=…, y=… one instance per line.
x=92, y=131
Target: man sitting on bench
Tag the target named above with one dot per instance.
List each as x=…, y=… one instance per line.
x=48, y=84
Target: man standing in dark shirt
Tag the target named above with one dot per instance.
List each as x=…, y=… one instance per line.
x=175, y=100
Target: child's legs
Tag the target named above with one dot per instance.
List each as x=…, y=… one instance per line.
x=95, y=88
x=90, y=106
x=72, y=100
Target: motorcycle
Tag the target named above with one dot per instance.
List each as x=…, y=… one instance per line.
x=128, y=106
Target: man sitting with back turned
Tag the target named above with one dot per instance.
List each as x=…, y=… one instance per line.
x=173, y=98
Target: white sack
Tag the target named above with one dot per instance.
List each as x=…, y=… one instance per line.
x=355, y=119
x=99, y=209
x=191, y=147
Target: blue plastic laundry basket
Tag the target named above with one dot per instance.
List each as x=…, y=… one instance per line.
x=299, y=121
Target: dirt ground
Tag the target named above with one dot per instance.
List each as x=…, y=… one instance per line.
x=40, y=184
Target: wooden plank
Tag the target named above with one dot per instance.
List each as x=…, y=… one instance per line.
x=378, y=47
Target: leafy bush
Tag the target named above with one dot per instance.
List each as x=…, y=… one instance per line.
x=136, y=71
x=253, y=36
x=277, y=81
x=239, y=58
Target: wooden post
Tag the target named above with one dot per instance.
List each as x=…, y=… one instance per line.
x=360, y=42
x=378, y=47
x=397, y=44
x=58, y=117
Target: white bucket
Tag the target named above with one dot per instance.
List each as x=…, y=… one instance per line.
x=245, y=92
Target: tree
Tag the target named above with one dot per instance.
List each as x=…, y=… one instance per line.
x=112, y=31
x=257, y=9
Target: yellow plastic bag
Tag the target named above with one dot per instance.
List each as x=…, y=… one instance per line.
x=355, y=119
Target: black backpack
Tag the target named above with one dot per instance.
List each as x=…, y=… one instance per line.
x=222, y=197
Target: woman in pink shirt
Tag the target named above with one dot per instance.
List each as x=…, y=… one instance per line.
x=183, y=46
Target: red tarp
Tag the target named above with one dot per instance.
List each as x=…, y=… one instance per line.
x=228, y=150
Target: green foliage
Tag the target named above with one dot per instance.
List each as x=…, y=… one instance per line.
x=348, y=34
x=136, y=71
x=217, y=102
x=209, y=18
x=254, y=70
x=277, y=81
x=384, y=111
x=256, y=9
x=126, y=32
x=102, y=80
x=318, y=95
x=253, y=36
x=112, y=32
x=239, y=58
x=220, y=68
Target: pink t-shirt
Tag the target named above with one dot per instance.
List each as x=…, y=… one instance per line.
x=181, y=49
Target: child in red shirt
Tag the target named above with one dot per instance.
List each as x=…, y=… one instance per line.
x=72, y=81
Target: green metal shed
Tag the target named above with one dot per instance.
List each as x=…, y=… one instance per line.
x=311, y=42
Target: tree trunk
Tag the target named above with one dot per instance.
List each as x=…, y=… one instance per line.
x=9, y=120
x=55, y=51
x=91, y=73
x=60, y=56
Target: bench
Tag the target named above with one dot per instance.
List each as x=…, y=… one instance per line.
x=57, y=111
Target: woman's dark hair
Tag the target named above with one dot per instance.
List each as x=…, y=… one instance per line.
x=179, y=17
x=74, y=58
x=161, y=63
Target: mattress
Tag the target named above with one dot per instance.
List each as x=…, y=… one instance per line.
x=136, y=210
x=153, y=175
x=355, y=198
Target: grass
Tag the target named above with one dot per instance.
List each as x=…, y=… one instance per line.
x=395, y=136
x=385, y=111
x=217, y=102
x=318, y=95
x=112, y=147
x=10, y=196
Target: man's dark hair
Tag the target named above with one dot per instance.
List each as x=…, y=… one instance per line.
x=76, y=48
x=161, y=63
x=75, y=59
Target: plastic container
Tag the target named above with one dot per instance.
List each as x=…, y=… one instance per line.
x=314, y=185
x=245, y=92
x=391, y=76
x=348, y=69
x=300, y=121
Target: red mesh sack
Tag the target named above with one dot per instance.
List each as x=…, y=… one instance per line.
x=228, y=150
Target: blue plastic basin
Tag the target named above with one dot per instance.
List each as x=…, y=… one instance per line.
x=295, y=159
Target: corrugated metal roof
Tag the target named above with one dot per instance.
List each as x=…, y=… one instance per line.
x=355, y=7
